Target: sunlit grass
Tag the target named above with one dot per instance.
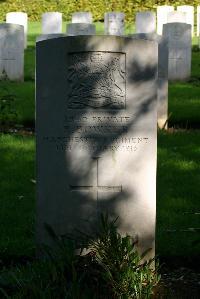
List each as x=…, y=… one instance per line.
x=178, y=192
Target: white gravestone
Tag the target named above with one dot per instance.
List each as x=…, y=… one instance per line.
x=11, y=52
x=80, y=29
x=176, y=17
x=49, y=36
x=179, y=40
x=96, y=124
x=162, y=93
x=51, y=22
x=19, y=18
x=198, y=20
x=82, y=17
x=162, y=12
x=189, y=11
x=146, y=22
x=114, y=23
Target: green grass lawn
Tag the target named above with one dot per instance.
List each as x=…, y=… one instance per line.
x=184, y=98
x=177, y=193
x=17, y=197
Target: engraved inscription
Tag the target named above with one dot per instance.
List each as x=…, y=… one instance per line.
x=177, y=56
x=113, y=144
x=96, y=80
x=95, y=189
x=176, y=33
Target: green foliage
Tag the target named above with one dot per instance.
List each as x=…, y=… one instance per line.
x=122, y=269
x=97, y=7
x=112, y=269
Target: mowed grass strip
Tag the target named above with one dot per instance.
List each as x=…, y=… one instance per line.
x=178, y=180
x=184, y=98
x=17, y=195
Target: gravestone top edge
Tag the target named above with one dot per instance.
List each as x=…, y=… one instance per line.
x=50, y=35
x=178, y=24
x=186, y=6
x=95, y=37
x=7, y=25
x=146, y=12
x=164, y=6
x=82, y=12
x=52, y=12
x=18, y=12
x=79, y=24
x=156, y=37
x=114, y=12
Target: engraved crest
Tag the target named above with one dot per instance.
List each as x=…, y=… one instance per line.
x=96, y=80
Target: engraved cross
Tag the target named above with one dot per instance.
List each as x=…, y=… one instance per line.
x=175, y=58
x=7, y=59
x=96, y=188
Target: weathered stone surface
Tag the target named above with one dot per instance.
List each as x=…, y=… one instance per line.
x=96, y=124
x=51, y=23
x=19, y=18
x=114, y=23
x=162, y=94
x=11, y=52
x=49, y=36
x=176, y=17
x=82, y=17
x=178, y=36
x=189, y=11
x=145, y=22
x=80, y=29
x=162, y=12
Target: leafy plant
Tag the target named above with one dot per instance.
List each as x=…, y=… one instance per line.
x=121, y=267
x=101, y=265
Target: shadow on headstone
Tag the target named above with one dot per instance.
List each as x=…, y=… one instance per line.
x=96, y=126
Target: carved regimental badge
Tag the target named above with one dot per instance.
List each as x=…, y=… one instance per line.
x=96, y=80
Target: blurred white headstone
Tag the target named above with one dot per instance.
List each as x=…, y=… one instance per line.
x=178, y=36
x=11, y=52
x=74, y=29
x=176, y=17
x=189, y=11
x=114, y=23
x=145, y=22
x=82, y=17
x=19, y=18
x=162, y=12
x=51, y=22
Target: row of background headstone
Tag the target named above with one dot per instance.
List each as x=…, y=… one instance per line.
x=177, y=57
x=52, y=21
x=178, y=37
x=174, y=52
